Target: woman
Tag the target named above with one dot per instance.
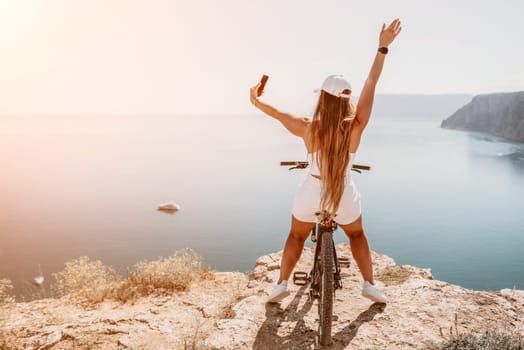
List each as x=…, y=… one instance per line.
x=331, y=138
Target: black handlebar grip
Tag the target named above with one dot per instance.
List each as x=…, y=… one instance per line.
x=287, y=163
x=361, y=167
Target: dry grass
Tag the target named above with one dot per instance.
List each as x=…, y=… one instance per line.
x=233, y=298
x=6, y=287
x=488, y=340
x=93, y=282
x=196, y=340
x=8, y=339
x=171, y=274
x=393, y=275
x=89, y=280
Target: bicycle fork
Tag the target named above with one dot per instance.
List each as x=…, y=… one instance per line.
x=302, y=278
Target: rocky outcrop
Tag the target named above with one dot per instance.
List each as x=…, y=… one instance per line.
x=500, y=114
x=228, y=311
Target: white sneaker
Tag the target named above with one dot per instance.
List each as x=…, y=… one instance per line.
x=369, y=291
x=279, y=292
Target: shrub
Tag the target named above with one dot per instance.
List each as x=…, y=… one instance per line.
x=171, y=274
x=94, y=282
x=88, y=279
x=486, y=341
x=489, y=340
x=6, y=286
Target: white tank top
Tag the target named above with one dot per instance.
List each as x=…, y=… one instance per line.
x=313, y=166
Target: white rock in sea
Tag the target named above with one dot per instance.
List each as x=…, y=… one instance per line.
x=169, y=206
x=39, y=280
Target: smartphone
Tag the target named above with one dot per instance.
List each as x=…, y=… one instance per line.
x=262, y=84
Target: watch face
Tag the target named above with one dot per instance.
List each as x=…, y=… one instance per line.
x=383, y=49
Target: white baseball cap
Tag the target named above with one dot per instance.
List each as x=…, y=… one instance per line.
x=335, y=85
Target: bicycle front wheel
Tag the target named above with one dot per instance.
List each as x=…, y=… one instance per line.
x=326, y=288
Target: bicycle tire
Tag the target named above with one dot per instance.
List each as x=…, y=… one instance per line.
x=326, y=289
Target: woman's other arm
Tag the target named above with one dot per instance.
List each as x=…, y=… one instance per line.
x=296, y=125
x=365, y=101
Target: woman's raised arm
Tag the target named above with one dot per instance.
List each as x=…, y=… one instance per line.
x=365, y=101
x=296, y=125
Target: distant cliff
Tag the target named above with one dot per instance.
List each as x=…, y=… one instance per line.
x=500, y=114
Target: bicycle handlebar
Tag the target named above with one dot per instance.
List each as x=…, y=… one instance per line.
x=286, y=163
x=302, y=165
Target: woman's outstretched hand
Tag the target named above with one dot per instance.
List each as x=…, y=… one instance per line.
x=253, y=93
x=387, y=35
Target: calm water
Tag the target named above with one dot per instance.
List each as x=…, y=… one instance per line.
x=70, y=186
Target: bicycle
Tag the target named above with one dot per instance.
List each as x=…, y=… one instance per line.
x=324, y=277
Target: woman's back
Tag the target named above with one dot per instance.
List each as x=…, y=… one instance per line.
x=315, y=170
x=354, y=136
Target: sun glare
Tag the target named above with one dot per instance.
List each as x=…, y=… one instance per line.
x=16, y=18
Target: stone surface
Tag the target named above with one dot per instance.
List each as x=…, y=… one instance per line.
x=229, y=312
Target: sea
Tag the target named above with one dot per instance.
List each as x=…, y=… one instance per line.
x=81, y=185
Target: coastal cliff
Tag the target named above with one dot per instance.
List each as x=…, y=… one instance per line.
x=227, y=310
x=499, y=114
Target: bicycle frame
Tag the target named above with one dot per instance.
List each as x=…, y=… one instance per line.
x=324, y=278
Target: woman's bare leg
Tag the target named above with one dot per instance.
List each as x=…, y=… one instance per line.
x=293, y=249
x=360, y=248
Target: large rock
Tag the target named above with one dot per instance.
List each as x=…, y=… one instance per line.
x=500, y=114
x=228, y=311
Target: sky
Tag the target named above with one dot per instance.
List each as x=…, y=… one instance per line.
x=201, y=56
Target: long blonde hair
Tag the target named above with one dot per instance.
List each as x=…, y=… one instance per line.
x=330, y=138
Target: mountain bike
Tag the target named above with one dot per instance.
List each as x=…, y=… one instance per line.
x=324, y=277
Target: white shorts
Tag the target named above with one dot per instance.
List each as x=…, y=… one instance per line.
x=307, y=202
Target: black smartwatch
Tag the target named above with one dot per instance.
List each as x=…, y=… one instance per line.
x=383, y=50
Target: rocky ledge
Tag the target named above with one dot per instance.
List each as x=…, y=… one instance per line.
x=227, y=311
x=500, y=114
